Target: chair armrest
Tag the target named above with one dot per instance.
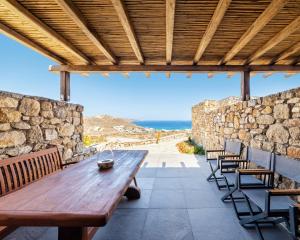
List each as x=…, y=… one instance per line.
x=284, y=192
x=215, y=150
x=229, y=156
x=267, y=177
x=254, y=172
x=234, y=160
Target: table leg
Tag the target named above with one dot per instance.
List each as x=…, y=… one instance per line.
x=76, y=233
x=133, y=192
x=67, y=233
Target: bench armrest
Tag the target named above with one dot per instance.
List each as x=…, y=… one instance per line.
x=69, y=163
x=284, y=192
x=254, y=172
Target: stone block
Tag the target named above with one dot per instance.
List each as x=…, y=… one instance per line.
x=8, y=102
x=8, y=115
x=30, y=107
x=50, y=134
x=278, y=134
x=281, y=111
x=265, y=119
x=12, y=139
x=293, y=152
x=21, y=125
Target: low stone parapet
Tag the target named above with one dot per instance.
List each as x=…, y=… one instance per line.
x=29, y=123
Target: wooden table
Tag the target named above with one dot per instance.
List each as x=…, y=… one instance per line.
x=74, y=199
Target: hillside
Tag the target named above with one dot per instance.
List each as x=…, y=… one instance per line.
x=108, y=125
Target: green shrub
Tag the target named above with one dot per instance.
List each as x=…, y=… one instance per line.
x=89, y=140
x=190, y=147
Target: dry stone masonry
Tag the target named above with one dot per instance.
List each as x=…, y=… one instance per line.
x=32, y=123
x=270, y=123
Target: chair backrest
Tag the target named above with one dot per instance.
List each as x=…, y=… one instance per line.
x=233, y=147
x=260, y=157
x=17, y=172
x=287, y=167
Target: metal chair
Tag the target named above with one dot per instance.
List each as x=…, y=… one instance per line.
x=231, y=150
x=260, y=158
x=273, y=204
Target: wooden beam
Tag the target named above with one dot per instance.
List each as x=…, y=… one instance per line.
x=170, y=18
x=284, y=33
x=74, y=13
x=288, y=52
x=173, y=68
x=168, y=74
x=65, y=86
x=21, y=11
x=128, y=28
x=245, y=86
x=212, y=28
x=264, y=18
x=30, y=44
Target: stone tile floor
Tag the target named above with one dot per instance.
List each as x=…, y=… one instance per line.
x=177, y=203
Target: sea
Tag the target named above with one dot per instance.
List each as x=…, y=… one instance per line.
x=165, y=125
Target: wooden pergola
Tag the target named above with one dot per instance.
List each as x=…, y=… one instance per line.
x=158, y=35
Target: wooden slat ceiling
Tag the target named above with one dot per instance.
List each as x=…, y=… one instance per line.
x=133, y=32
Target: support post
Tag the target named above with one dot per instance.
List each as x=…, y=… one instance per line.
x=65, y=86
x=245, y=86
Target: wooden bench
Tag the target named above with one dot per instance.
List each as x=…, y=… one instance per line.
x=77, y=200
x=18, y=172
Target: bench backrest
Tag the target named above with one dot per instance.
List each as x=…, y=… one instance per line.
x=233, y=147
x=16, y=172
x=287, y=167
x=260, y=157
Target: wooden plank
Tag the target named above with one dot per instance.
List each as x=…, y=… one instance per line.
x=170, y=18
x=74, y=13
x=30, y=44
x=65, y=86
x=97, y=194
x=245, y=86
x=284, y=33
x=172, y=68
x=288, y=52
x=21, y=11
x=128, y=28
x=2, y=182
x=271, y=11
x=212, y=28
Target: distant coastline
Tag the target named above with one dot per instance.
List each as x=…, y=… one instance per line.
x=165, y=125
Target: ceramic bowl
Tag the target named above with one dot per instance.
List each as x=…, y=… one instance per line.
x=105, y=164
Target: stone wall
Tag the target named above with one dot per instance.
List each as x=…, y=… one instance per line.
x=30, y=123
x=270, y=123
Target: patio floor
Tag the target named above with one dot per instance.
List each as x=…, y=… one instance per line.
x=177, y=204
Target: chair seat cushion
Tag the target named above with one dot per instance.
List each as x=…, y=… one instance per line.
x=245, y=179
x=277, y=204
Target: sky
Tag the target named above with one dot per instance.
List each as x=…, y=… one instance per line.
x=137, y=97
